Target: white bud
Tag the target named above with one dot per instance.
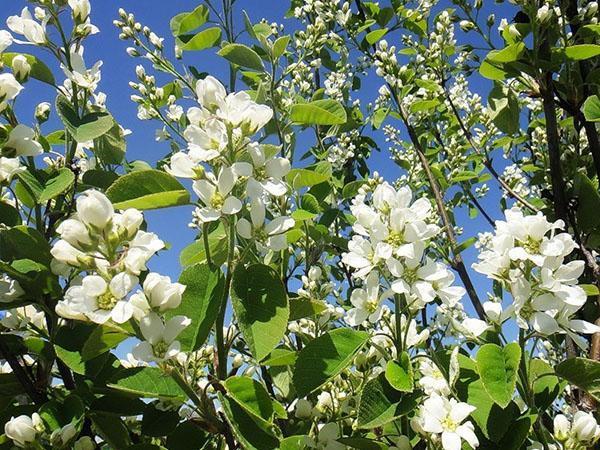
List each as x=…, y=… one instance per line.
x=585, y=428
x=21, y=67
x=562, y=427
x=94, y=209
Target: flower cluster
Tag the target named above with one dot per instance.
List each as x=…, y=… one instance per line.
x=527, y=256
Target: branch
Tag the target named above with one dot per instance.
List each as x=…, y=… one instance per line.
x=37, y=397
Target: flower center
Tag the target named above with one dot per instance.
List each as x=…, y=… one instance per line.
x=449, y=424
x=160, y=349
x=260, y=173
x=106, y=301
x=410, y=275
x=217, y=200
x=531, y=245
x=395, y=238
x=371, y=305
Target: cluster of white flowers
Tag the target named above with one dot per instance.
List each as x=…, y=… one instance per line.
x=527, y=257
x=579, y=433
x=218, y=137
x=391, y=236
x=514, y=176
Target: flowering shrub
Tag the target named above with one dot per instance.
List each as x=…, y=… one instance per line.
x=320, y=306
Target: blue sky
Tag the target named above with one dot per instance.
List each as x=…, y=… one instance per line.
x=119, y=69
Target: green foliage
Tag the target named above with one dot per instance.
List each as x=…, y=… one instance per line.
x=147, y=189
x=261, y=306
x=325, y=357
x=319, y=112
x=497, y=367
x=583, y=373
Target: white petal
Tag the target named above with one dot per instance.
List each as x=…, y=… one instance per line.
x=231, y=205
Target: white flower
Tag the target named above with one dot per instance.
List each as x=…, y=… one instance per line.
x=367, y=302
x=10, y=290
x=432, y=379
x=22, y=140
x=81, y=9
x=440, y=416
x=23, y=430
x=585, y=428
x=327, y=438
x=21, y=318
x=9, y=167
x=160, y=343
x=266, y=175
x=6, y=40
x=182, y=166
x=364, y=256
x=303, y=409
x=79, y=74
x=127, y=223
x=207, y=142
x=272, y=234
x=210, y=92
x=94, y=209
x=159, y=294
x=216, y=196
x=100, y=301
x=21, y=67
x=9, y=89
x=26, y=25
x=68, y=254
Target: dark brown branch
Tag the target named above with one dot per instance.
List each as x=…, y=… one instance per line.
x=37, y=397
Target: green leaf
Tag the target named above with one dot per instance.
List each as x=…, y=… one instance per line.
x=200, y=302
x=493, y=420
x=22, y=242
x=9, y=216
x=362, y=443
x=250, y=395
x=112, y=429
x=195, y=252
x=102, y=340
x=281, y=357
x=189, y=21
x=242, y=56
x=325, y=357
x=588, y=218
x=583, y=373
x=301, y=307
x=202, y=40
x=147, y=189
x=86, y=128
x=300, y=178
x=251, y=434
x=56, y=185
x=582, y=51
x=147, y=382
x=57, y=414
x=375, y=35
x=280, y=45
x=497, y=368
x=380, y=403
x=110, y=148
x=261, y=306
x=187, y=435
x=157, y=422
x=504, y=109
x=400, y=374
x=591, y=109
x=544, y=383
x=508, y=54
x=319, y=112
x=39, y=70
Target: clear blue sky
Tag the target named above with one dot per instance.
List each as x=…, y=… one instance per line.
x=118, y=70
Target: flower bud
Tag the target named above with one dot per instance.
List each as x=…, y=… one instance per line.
x=303, y=409
x=23, y=429
x=42, y=112
x=561, y=428
x=21, y=68
x=94, y=209
x=585, y=428
x=81, y=10
x=237, y=361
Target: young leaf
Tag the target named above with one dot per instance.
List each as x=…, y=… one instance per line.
x=325, y=357
x=202, y=40
x=400, y=374
x=583, y=373
x=200, y=302
x=147, y=189
x=147, y=382
x=261, y=306
x=242, y=56
x=319, y=112
x=591, y=109
x=250, y=395
x=380, y=403
x=497, y=368
x=582, y=51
